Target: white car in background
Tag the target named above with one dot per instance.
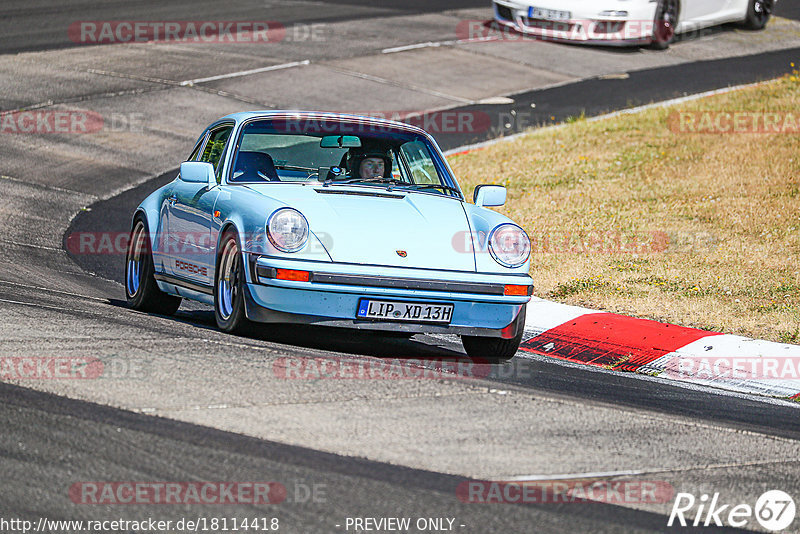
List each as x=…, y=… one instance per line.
x=626, y=22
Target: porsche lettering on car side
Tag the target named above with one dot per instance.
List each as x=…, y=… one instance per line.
x=626, y=22
x=332, y=220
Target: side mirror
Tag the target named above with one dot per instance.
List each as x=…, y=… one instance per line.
x=489, y=195
x=198, y=172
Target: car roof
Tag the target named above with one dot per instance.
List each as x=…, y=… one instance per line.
x=242, y=116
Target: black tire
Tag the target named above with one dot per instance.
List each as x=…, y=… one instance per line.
x=758, y=13
x=495, y=349
x=664, y=25
x=229, y=280
x=141, y=289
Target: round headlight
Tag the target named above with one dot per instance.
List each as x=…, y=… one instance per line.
x=509, y=245
x=287, y=230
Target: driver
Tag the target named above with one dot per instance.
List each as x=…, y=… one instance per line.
x=369, y=163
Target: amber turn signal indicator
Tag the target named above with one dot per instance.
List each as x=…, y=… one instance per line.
x=515, y=291
x=293, y=275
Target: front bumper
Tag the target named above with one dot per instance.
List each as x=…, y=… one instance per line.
x=635, y=27
x=332, y=295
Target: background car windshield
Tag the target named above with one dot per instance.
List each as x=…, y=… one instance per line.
x=277, y=152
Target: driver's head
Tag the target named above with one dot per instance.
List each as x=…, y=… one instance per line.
x=367, y=162
x=371, y=167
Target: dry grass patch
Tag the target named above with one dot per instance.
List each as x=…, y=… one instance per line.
x=624, y=215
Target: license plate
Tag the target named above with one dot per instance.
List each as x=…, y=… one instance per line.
x=547, y=14
x=413, y=312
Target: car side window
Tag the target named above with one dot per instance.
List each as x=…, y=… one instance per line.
x=420, y=163
x=215, y=147
x=196, y=150
x=396, y=172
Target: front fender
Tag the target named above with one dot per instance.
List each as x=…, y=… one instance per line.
x=482, y=221
x=248, y=212
x=150, y=209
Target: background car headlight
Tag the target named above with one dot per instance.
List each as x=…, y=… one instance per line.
x=509, y=245
x=287, y=230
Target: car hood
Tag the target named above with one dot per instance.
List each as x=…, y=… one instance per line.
x=372, y=226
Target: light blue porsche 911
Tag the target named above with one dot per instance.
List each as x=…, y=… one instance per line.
x=335, y=220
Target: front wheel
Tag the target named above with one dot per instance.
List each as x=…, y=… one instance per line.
x=495, y=349
x=141, y=288
x=664, y=24
x=758, y=13
x=229, y=286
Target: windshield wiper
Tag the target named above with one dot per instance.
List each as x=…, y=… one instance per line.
x=296, y=168
x=393, y=182
x=437, y=186
x=389, y=181
x=370, y=180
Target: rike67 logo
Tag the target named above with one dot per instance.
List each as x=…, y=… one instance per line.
x=774, y=510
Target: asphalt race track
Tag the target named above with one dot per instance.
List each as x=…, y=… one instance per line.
x=41, y=27
x=182, y=402
x=115, y=214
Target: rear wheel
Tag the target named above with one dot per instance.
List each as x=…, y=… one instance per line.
x=229, y=286
x=141, y=289
x=665, y=23
x=495, y=349
x=758, y=13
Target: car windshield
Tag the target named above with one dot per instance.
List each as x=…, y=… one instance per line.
x=338, y=153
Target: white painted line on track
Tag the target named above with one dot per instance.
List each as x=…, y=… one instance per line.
x=56, y=308
x=48, y=187
x=571, y=476
x=436, y=44
x=56, y=291
x=247, y=72
x=31, y=245
x=429, y=44
x=131, y=76
x=612, y=474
